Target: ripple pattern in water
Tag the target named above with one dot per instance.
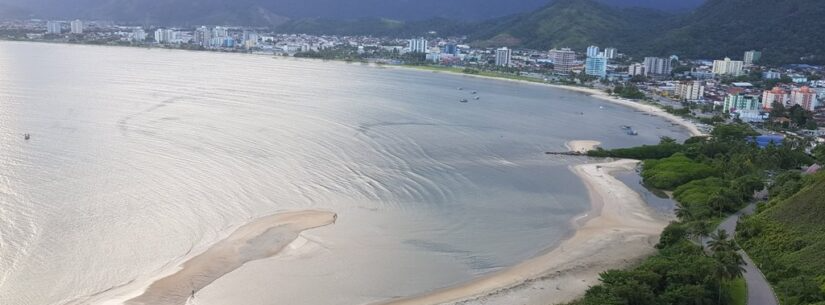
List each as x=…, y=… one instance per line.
x=139, y=159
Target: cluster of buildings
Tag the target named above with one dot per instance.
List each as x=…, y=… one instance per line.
x=56, y=27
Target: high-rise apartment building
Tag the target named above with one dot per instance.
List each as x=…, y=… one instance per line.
x=592, y=51
x=775, y=95
x=657, y=66
x=611, y=53
x=752, y=57
x=503, y=57
x=728, y=67
x=563, y=59
x=77, y=27
x=202, y=36
x=53, y=27
x=418, y=45
x=596, y=66
x=636, y=69
x=691, y=91
x=805, y=97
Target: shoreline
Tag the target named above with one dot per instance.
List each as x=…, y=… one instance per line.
x=257, y=239
x=619, y=230
x=691, y=127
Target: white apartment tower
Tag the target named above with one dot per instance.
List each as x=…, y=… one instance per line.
x=53, y=27
x=611, y=53
x=728, y=67
x=503, y=57
x=657, y=66
x=77, y=27
x=418, y=45
x=592, y=51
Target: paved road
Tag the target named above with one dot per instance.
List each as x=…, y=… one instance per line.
x=759, y=290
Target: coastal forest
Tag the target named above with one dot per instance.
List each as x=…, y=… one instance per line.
x=711, y=178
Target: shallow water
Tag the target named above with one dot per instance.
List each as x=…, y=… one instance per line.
x=140, y=159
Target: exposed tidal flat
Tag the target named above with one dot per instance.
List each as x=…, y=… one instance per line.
x=141, y=161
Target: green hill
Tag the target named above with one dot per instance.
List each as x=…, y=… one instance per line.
x=786, y=30
x=789, y=31
x=575, y=24
x=787, y=240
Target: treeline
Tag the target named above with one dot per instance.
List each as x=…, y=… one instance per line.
x=787, y=238
x=710, y=177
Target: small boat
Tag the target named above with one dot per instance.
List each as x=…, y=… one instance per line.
x=632, y=132
x=626, y=127
x=27, y=136
x=477, y=98
x=475, y=92
x=464, y=100
x=459, y=88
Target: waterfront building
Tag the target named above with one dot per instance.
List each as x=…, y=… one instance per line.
x=503, y=57
x=138, y=34
x=596, y=66
x=752, y=57
x=77, y=27
x=220, y=32
x=53, y=27
x=728, y=67
x=167, y=36
x=775, y=95
x=657, y=66
x=691, y=91
x=202, y=36
x=418, y=45
x=636, y=69
x=804, y=97
x=741, y=102
x=563, y=59
x=611, y=53
x=592, y=51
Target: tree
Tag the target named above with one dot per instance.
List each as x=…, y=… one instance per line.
x=720, y=242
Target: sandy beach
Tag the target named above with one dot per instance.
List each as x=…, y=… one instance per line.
x=650, y=109
x=581, y=146
x=619, y=230
x=259, y=239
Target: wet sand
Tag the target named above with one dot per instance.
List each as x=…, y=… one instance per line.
x=619, y=230
x=259, y=239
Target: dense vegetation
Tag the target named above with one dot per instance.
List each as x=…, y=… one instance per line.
x=787, y=239
x=711, y=177
x=785, y=30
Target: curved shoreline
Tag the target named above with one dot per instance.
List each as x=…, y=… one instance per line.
x=619, y=230
x=650, y=109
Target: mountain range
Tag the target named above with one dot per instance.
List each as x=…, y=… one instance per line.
x=261, y=12
x=788, y=31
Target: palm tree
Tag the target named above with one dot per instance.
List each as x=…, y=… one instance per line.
x=721, y=242
x=699, y=229
x=728, y=266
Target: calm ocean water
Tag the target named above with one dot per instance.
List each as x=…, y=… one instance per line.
x=139, y=159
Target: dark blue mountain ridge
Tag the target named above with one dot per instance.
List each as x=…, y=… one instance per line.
x=230, y=11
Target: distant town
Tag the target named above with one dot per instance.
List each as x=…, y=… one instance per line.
x=779, y=99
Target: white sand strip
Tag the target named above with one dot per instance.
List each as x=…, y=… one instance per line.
x=619, y=230
x=582, y=146
x=259, y=239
